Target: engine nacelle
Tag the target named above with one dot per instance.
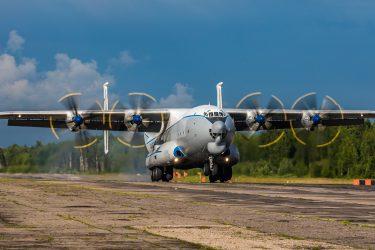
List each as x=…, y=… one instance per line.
x=306, y=121
x=250, y=118
x=74, y=122
x=310, y=120
x=166, y=154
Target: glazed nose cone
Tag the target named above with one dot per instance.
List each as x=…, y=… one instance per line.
x=219, y=129
x=218, y=132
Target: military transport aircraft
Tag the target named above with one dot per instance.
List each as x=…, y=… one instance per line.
x=188, y=138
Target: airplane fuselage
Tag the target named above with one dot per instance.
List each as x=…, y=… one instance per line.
x=191, y=137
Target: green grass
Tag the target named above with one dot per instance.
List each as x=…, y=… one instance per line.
x=274, y=179
x=346, y=223
x=290, y=180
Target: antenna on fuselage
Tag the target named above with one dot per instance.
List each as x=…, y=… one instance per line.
x=219, y=87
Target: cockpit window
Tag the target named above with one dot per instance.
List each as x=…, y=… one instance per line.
x=214, y=114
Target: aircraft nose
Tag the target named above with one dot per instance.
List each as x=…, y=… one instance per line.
x=218, y=132
x=218, y=129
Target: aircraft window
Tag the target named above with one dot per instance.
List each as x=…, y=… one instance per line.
x=221, y=114
x=211, y=114
x=216, y=114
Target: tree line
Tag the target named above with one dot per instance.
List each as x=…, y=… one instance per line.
x=351, y=155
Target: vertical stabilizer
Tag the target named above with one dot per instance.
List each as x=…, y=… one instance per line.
x=219, y=87
x=106, y=108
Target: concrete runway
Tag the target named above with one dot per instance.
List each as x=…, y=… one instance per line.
x=91, y=211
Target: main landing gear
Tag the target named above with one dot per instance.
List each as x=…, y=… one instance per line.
x=217, y=172
x=164, y=174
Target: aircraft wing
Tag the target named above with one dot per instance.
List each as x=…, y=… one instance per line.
x=115, y=120
x=284, y=119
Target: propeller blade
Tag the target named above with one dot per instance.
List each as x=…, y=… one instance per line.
x=313, y=135
x=310, y=102
x=255, y=127
x=246, y=135
x=132, y=139
x=71, y=102
x=325, y=104
x=84, y=140
x=77, y=122
x=306, y=102
x=146, y=122
x=250, y=101
x=274, y=104
x=260, y=117
x=95, y=107
x=268, y=124
x=134, y=119
x=138, y=101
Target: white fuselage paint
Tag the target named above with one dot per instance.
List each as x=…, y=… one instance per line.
x=192, y=131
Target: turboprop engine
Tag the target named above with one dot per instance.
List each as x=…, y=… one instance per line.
x=168, y=153
x=310, y=120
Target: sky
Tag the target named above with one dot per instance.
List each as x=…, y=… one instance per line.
x=178, y=50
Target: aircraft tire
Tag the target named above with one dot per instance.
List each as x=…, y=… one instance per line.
x=213, y=178
x=152, y=175
x=206, y=169
x=156, y=174
x=168, y=174
x=215, y=170
x=167, y=177
x=227, y=174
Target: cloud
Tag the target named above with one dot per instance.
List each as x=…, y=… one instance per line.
x=15, y=41
x=181, y=98
x=21, y=85
x=124, y=59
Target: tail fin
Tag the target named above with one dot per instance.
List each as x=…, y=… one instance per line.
x=219, y=95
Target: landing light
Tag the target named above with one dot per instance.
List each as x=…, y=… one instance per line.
x=176, y=160
x=226, y=159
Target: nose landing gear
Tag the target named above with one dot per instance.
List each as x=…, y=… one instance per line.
x=158, y=174
x=217, y=172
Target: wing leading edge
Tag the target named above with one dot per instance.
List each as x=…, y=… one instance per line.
x=284, y=119
x=99, y=120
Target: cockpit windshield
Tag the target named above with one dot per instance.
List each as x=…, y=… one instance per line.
x=211, y=114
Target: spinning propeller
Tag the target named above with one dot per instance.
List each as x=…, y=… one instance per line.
x=76, y=122
x=134, y=120
x=259, y=118
x=314, y=120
